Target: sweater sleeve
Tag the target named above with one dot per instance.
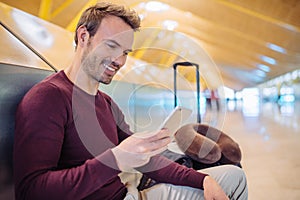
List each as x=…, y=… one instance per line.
x=39, y=136
x=160, y=168
x=164, y=170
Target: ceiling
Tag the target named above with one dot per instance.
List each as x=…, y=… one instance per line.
x=237, y=43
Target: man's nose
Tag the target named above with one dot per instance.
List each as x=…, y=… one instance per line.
x=119, y=61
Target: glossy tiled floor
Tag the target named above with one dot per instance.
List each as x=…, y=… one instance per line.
x=270, y=142
x=269, y=136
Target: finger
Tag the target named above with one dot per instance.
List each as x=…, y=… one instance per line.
x=152, y=136
x=158, y=144
x=161, y=134
x=158, y=151
x=144, y=135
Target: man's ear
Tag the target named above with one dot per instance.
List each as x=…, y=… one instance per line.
x=82, y=35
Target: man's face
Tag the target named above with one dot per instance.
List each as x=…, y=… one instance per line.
x=107, y=50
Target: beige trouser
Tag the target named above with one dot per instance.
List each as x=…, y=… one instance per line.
x=231, y=178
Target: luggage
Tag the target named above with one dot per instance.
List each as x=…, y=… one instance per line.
x=188, y=64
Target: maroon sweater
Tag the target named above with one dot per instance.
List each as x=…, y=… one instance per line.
x=63, y=141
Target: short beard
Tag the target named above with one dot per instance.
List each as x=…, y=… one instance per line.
x=86, y=52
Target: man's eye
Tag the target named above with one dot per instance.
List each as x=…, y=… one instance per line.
x=110, y=45
x=127, y=52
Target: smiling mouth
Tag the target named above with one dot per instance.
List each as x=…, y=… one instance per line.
x=109, y=68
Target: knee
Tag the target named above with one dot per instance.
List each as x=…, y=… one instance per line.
x=237, y=178
x=235, y=172
x=238, y=181
x=228, y=176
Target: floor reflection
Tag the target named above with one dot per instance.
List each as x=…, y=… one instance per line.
x=270, y=142
x=268, y=134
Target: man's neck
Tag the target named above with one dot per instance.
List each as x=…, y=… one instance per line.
x=80, y=79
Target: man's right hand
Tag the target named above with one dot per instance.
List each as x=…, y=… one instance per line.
x=136, y=150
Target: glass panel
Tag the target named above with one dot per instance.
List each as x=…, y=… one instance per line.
x=54, y=43
x=12, y=51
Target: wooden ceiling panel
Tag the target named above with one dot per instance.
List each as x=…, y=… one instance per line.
x=68, y=9
x=283, y=10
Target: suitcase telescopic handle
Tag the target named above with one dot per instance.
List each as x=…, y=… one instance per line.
x=188, y=64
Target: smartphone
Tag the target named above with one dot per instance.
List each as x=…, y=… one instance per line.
x=175, y=119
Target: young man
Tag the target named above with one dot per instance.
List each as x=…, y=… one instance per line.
x=71, y=140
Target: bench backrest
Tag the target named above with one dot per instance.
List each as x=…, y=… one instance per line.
x=15, y=81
